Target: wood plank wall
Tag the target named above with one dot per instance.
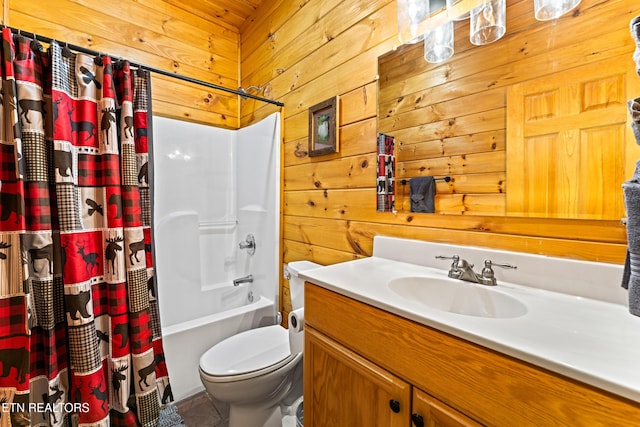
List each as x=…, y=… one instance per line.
x=154, y=33
x=310, y=50
x=450, y=119
x=305, y=51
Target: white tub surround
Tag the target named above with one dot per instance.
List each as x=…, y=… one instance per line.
x=576, y=322
x=213, y=187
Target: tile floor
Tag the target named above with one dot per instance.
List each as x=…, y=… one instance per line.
x=200, y=411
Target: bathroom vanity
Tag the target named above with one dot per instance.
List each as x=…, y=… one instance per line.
x=375, y=356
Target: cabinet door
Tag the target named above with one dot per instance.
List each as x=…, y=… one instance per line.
x=430, y=412
x=343, y=389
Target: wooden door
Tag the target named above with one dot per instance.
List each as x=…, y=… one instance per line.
x=429, y=412
x=343, y=389
x=569, y=142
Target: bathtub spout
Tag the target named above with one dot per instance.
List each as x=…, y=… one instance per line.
x=245, y=279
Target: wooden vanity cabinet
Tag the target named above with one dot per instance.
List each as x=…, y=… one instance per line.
x=435, y=413
x=348, y=390
x=362, y=364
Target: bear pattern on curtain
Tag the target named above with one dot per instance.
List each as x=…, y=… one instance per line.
x=80, y=339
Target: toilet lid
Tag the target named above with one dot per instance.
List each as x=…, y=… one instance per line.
x=247, y=351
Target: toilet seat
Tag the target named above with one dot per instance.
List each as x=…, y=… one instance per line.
x=247, y=355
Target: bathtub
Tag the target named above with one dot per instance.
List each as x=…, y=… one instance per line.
x=213, y=187
x=185, y=342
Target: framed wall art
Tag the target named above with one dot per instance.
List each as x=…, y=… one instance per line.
x=323, y=128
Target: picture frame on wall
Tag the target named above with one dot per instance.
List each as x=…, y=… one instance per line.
x=323, y=128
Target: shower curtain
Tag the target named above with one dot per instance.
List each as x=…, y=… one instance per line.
x=80, y=339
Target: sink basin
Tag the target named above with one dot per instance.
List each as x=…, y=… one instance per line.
x=455, y=296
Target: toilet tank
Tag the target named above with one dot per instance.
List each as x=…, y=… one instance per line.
x=296, y=284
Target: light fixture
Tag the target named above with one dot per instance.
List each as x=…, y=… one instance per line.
x=410, y=14
x=488, y=22
x=451, y=5
x=551, y=9
x=438, y=43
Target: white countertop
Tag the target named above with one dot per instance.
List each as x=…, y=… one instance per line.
x=587, y=339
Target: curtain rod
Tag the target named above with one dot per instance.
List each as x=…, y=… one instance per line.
x=144, y=67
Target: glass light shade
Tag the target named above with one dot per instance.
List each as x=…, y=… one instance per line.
x=415, y=39
x=450, y=4
x=410, y=14
x=488, y=22
x=552, y=9
x=438, y=43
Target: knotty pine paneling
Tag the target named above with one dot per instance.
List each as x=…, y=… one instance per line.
x=229, y=13
x=157, y=33
x=428, y=105
x=317, y=64
x=479, y=142
x=310, y=51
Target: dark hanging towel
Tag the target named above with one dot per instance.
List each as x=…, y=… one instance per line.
x=631, y=189
x=386, y=167
x=422, y=191
x=631, y=275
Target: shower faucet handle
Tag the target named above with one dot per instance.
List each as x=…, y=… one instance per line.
x=249, y=244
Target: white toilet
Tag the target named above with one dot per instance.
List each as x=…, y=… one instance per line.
x=254, y=370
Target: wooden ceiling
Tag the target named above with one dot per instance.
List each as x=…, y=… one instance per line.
x=230, y=13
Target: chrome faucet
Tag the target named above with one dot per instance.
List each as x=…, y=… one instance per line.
x=461, y=269
x=245, y=279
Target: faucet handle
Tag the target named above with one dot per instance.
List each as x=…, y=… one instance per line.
x=488, y=263
x=488, y=277
x=458, y=263
x=455, y=259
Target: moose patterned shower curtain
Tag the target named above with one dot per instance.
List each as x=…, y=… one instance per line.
x=80, y=340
